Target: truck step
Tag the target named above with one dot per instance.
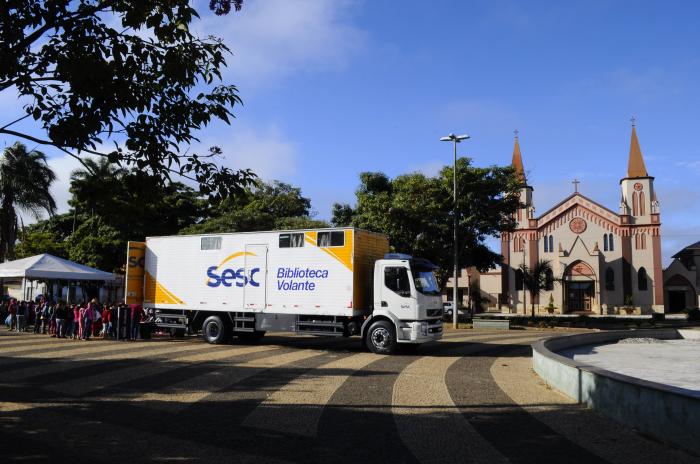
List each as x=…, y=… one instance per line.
x=321, y=333
x=320, y=325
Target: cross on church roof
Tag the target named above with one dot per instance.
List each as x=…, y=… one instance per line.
x=516, y=132
x=634, y=121
x=575, y=182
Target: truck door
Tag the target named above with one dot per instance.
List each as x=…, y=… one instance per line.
x=254, y=291
x=396, y=290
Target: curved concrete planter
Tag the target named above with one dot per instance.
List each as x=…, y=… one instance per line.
x=670, y=414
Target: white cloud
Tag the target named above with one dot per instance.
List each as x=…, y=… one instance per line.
x=62, y=166
x=271, y=39
x=268, y=153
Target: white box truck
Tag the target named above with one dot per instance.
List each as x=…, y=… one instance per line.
x=331, y=282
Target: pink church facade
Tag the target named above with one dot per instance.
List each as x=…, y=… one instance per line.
x=603, y=261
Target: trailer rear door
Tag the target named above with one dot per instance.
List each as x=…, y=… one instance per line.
x=256, y=272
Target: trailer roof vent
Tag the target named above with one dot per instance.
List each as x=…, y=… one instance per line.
x=397, y=256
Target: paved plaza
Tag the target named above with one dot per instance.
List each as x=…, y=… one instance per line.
x=471, y=397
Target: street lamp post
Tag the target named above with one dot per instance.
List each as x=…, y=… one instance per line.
x=455, y=139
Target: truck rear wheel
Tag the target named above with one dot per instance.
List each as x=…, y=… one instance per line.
x=214, y=330
x=381, y=338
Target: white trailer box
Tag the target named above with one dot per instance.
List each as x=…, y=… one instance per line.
x=309, y=272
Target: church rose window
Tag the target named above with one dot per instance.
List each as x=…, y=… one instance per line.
x=578, y=225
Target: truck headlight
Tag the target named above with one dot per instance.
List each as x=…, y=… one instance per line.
x=424, y=328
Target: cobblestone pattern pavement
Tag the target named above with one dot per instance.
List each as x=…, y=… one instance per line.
x=471, y=397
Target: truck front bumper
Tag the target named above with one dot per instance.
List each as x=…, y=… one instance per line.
x=420, y=331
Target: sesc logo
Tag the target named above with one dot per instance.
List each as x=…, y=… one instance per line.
x=135, y=261
x=229, y=277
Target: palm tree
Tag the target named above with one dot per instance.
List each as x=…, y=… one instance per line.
x=25, y=183
x=96, y=183
x=537, y=279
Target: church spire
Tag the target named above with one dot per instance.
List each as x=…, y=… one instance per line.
x=518, y=160
x=635, y=165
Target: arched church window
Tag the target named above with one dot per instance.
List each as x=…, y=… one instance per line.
x=609, y=279
x=635, y=204
x=641, y=204
x=610, y=242
x=551, y=243
x=605, y=242
x=642, y=279
x=546, y=244
x=549, y=280
x=519, y=279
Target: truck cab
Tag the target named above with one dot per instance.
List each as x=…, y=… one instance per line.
x=407, y=306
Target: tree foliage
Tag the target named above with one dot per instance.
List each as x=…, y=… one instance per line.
x=416, y=212
x=25, y=181
x=117, y=205
x=97, y=244
x=267, y=206
x=121, y=72
x=133, y=201
x=109, y=208
x=38, y=242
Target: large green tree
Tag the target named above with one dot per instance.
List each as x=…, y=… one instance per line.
x=416, y=212
x=134, y=202
x=110, y=207
x=38, y=242
x=267, y=206
x=121, y=73
x=98, y=244
x=25, y=182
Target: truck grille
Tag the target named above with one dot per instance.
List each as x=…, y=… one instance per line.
x=434, y=312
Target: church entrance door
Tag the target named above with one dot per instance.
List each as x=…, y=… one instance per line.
x=579, y=296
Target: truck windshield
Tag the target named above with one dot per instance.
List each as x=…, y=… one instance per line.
x=425, y=281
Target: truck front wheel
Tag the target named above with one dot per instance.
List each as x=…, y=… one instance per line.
x=214, y=331
x=381, y=338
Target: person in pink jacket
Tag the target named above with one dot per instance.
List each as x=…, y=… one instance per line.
x=88, y=318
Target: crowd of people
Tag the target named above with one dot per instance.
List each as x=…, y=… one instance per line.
x=74, y=321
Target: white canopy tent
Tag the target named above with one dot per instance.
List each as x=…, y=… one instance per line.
x=51, y=270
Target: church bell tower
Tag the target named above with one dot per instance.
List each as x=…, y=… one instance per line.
x=638, y=204
x=526, y=212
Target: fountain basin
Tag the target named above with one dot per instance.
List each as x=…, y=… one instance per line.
x=630, y=382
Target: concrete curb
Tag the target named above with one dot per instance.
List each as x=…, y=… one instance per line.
x=668, y=413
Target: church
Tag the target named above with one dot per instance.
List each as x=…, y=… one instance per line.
x=603, y=261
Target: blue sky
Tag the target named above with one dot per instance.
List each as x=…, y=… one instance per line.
x=335, y=87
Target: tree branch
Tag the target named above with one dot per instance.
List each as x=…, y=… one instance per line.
x=16, y=120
